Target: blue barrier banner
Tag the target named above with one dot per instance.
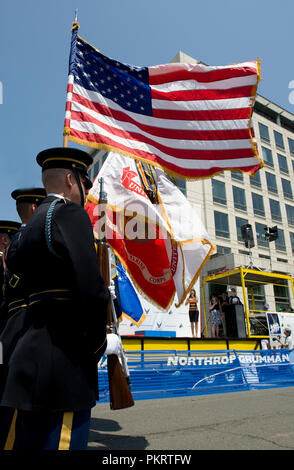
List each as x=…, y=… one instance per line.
x=163, y=374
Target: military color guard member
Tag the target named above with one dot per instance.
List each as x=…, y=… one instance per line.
x=27, y=201
x=52, y=375
x=14, y=319
x=7, y=230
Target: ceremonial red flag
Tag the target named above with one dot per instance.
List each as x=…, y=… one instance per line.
x=162, y=246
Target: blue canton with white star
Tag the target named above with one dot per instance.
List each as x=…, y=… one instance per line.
x=124, y=84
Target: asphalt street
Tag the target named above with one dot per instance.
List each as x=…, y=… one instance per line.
x=251, y=420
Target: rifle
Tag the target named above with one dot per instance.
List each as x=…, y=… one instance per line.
x=118, y=374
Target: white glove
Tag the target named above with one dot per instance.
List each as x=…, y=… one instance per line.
x=114, y=345
x=112, y=289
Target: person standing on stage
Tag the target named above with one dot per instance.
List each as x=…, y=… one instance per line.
x=193, y=312
x=233, y=298
x=215, y=315
x=52, y=381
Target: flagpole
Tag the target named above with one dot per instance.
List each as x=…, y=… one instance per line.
x=115, y=324
x=118, y=373
x=75, y=27
x=65, y=141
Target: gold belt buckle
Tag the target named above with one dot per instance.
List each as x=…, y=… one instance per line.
x=14, y=281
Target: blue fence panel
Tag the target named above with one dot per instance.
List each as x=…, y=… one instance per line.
x=162, y=374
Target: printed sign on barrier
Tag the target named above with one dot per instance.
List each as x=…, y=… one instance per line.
x=162, y=374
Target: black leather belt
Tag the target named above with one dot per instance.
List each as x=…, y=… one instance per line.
x=53, y=294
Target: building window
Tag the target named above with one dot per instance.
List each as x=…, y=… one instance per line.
x=243, y=252
x=287, y=189
x=271, y=183
x=223, y=250
x=258, y=294
x=255, y=180
x=181, y=184
x=290, y=214
x=292, y=241
x=283, y=163
x=219, y=192
x=264, y=256
x=258, y=206
x=239, y=198
x=221, y=225
x=237, y=175
x=282, y=295
x=291, y=145
x=279, y=139
x=239, y=223
x=275, y=210
x=260, y=235
x=263, y=132
x=267, y=156
x=280, y=241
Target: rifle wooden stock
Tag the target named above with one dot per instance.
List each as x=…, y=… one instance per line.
x=119, y=389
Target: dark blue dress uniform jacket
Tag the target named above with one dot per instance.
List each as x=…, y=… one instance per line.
x=13, y=314
x=54, y=364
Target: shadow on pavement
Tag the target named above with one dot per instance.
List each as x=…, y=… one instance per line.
x=102, y=436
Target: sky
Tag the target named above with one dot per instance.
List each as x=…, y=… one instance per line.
x=34, y=51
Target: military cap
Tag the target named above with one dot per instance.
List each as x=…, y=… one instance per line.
x=32, y=195
x=9, y=227
x=66, y=157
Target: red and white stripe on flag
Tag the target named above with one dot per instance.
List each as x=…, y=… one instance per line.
x=198, y=121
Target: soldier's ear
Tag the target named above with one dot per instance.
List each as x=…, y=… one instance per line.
x=69, y=180
x=33, y=208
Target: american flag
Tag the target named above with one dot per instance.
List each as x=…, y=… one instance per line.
x=192, y=120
